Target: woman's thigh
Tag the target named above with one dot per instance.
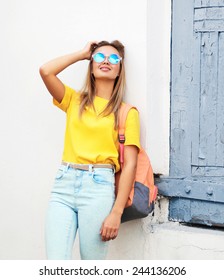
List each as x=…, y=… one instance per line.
x=61, y=220
x=61, y=228
x=96, y=201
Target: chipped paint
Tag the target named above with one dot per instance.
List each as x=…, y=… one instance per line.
x=196, y=182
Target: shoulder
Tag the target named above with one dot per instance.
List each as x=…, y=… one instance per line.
x=132, y=127
x=133, y=116
x=70, y=96
x=132, y=111
x=70, y=91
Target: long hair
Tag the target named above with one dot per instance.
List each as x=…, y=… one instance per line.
x=89, y=91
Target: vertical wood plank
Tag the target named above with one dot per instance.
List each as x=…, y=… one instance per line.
x=208, y=99
x=195, y=100
x=182, y=24
x=220, y=103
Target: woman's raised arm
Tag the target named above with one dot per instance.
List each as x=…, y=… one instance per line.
x=51, y=69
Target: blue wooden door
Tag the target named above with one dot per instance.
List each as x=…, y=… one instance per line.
x=195, y=185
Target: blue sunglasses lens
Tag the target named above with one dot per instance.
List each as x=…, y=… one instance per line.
x=114, y=59
x=99, y=57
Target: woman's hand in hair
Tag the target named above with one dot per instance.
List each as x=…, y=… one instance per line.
x=51, y=69
x=88, y=49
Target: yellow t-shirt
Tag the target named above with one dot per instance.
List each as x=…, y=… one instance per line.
x=92, y=139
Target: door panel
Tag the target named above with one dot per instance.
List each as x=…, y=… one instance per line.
x=195, y=185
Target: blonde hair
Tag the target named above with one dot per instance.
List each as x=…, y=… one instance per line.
x=88, y=92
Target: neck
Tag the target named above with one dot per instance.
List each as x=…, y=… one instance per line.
x=104, y=89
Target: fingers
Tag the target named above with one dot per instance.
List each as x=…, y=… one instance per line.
x=110, y=227
x=108, y=234
x=93, y=45
x=114, y=235
x=89, y=48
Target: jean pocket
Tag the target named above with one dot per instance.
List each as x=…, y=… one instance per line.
x=59, y=174
x=103, y=177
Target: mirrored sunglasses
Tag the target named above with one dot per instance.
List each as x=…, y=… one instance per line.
x=100, y=57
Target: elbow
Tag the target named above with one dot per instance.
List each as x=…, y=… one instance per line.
x=43, y=71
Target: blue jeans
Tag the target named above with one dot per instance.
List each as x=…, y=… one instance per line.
x=80, y=200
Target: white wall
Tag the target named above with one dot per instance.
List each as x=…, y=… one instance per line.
x=158, y=83
x=32, y=129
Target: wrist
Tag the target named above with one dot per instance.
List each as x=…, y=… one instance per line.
x=77, y=56
x=117, y=211
x=83, y=55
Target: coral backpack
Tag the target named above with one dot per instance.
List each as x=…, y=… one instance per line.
x=143, y=193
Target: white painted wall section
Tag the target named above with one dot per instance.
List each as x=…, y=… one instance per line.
x=32, y=129
x=158, y=83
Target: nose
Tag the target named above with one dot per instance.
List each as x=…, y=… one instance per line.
x=106, y=60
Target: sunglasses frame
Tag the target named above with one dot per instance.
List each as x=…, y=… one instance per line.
x=107, y=57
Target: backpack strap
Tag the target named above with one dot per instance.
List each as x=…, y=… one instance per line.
x=123, y=113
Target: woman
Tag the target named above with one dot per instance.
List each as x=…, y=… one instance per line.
x=83, y=194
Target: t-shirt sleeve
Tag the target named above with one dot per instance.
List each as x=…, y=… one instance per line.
x=132, y=129
x=66, y=99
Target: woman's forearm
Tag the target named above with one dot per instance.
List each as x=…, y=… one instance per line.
x=111, y=224
x=125, y=184
x=51, y=69
x=58, y=64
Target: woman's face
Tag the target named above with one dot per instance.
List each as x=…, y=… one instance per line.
x=105, y=69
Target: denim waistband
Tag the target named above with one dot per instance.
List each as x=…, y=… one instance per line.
x=87, y=167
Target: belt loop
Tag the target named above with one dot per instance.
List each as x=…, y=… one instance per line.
x=67, y=167
x=91, y=168
x=114, y=169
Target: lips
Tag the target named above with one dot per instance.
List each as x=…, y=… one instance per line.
x=105, y=68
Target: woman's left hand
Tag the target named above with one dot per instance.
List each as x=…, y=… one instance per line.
x=110, y=226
